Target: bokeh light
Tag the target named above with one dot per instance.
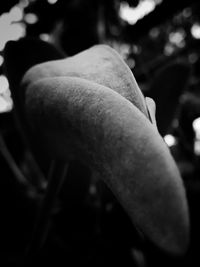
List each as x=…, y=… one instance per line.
x=195, y=30
x=1, y=60
x=52, y=1
x=3, y=84
x=44, y=37
x=6, y=102
x=196, y=128
x=177, y=38
x=30, y=18
x=132, y=15
x=170, y=140
x=11, y=27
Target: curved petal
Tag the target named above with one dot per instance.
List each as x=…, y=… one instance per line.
x=100, y=64
x=80, y=118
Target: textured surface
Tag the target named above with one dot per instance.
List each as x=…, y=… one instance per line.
x=80, y=116
x=100, y=64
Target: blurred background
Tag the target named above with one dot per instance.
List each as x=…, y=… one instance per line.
x=160, y=42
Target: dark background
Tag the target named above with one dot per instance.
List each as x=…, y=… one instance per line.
x=87, y=226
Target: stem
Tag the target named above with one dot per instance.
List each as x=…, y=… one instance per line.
x=57, y=175
x=20, y=179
